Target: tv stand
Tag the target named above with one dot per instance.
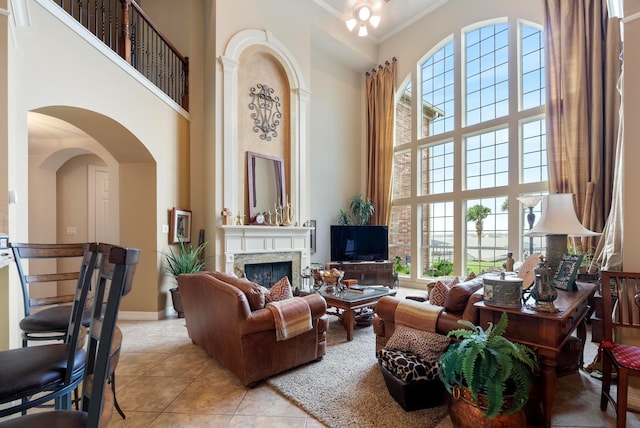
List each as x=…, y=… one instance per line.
x=366, y=273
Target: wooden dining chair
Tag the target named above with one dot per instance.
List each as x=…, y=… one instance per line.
x=31, y=376
x=115, y=280
x=47, y=318
x=51, y=267
x=621, y=340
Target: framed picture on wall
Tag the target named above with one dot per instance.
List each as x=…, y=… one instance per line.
x=312, y=234
x=180, y=226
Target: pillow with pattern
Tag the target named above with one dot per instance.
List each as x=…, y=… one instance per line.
x=281, y=290
x=439, y=293
x=425, y=344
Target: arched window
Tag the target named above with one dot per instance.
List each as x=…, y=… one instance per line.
x=470, y=130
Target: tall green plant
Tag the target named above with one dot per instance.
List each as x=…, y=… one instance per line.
x=477, y=214
x=487, y=363
x=360, y=211
x=187, y=259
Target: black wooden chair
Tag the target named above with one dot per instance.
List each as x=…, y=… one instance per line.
x=50, y=265
x=114, y=281
x=35, y=375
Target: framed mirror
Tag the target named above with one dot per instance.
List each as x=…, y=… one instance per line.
x=266, y=184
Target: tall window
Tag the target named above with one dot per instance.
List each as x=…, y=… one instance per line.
x=491, y=155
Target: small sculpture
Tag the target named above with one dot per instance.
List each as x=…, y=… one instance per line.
x=543, y=291
x=239, y=219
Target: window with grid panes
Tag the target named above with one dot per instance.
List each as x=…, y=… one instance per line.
x=491, y=155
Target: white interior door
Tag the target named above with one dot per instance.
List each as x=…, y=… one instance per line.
x=98, y=204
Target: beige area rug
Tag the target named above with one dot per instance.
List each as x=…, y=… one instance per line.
x=346, y=388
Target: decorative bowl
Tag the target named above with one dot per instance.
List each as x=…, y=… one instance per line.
x=332, y=277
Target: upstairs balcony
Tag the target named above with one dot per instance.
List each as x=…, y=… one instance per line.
x=123, y=26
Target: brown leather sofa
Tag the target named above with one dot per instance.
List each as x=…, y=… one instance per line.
x=220, y=320
x=459, y=304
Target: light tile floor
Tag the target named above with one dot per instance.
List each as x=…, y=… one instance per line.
x=163, y=380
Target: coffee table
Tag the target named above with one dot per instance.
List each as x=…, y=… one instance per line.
x=347, y=302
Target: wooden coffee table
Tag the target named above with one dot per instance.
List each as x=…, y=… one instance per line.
x=347, y=302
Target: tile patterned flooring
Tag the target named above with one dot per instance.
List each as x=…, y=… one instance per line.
x=163, y=380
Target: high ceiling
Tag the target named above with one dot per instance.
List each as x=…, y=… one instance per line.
x=395, y=14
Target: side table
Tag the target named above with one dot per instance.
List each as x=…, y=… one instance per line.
x=545, y=332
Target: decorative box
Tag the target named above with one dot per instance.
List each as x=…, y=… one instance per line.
x=502, y=291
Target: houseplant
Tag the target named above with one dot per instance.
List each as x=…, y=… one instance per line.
x=488, y=368
x=187, y=259
x=360, y=211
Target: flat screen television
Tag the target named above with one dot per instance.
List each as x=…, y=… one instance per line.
x=350, y=243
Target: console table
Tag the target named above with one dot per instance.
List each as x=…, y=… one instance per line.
x=545, y=332
x=366, y=273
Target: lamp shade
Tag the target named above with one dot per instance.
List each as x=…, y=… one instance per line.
x=559, y=218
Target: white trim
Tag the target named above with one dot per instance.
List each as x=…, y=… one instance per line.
x=144, y=316
x=630, y=18
x=299, y=110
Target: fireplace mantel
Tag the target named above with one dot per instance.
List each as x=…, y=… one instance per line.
x=266, y=239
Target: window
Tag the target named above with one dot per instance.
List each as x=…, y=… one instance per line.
x=491, y=155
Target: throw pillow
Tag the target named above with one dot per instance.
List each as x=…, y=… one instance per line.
x=425, y=344
x=469, y=277
x=439, y=293
x=281, y=290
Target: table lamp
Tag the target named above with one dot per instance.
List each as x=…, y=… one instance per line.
x=530, y=201
x=557, y=222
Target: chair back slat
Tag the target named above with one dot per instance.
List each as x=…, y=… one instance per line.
x=621, y=305
x=55, y=274
x=117, y=269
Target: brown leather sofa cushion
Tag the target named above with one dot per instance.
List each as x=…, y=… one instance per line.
x=254, y=292
x=459, y=294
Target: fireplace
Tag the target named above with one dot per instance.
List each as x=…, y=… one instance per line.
x=267, y=274
x=267, y=268
x=255, y=245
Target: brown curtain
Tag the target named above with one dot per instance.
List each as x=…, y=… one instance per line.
x=583, y=47
x=380, y=86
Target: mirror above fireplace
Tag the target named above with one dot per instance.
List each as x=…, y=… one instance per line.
x=265, y=178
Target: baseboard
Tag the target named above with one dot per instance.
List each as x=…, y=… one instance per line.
x=143, y=316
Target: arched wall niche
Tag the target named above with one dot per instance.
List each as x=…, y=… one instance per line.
x=247, y=53
x=259, y=68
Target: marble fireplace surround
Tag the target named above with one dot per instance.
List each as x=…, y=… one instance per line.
x=266, y=244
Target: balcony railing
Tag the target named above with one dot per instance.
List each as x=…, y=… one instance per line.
x=124, y=27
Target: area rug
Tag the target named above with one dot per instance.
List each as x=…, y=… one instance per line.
x=346, y=388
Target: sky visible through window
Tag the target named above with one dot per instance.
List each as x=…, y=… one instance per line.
x=471, y=165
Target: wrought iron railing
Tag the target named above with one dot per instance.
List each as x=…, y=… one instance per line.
x=124, y=27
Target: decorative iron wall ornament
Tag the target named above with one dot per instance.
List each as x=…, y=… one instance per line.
x=266, y=117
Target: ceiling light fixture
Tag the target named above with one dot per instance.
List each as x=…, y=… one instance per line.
x=362, y=16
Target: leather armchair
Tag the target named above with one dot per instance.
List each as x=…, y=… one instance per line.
x=220, y=320
x=459, y=304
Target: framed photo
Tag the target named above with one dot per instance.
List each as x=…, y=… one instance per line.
x=565, y=278
x=312, y=234
x=180, y=226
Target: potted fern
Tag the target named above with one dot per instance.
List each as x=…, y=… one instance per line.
x=187, y=259
x=487, y=375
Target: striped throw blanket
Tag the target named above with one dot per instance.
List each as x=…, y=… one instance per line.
x=418, y=315
x=292, y=317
